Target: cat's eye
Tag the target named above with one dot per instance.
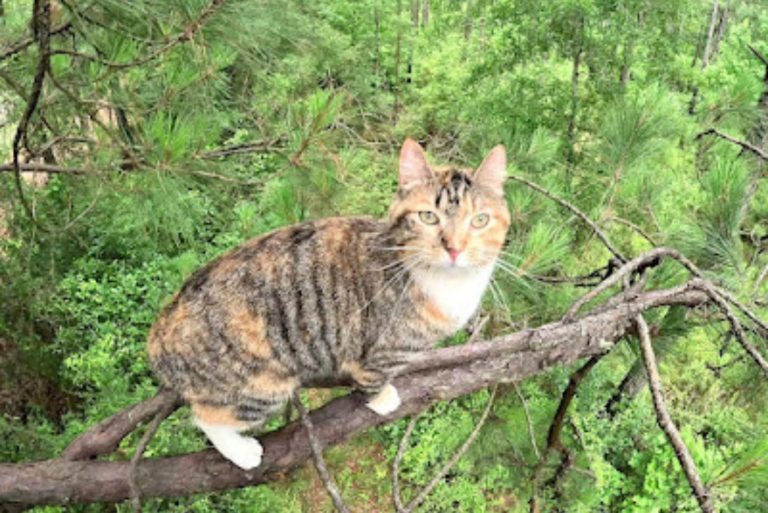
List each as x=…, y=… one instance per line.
x=480, y=220
x=428, y=217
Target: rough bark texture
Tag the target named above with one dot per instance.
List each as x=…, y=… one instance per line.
x=437, y=375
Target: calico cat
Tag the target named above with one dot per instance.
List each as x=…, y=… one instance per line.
x=340, y=297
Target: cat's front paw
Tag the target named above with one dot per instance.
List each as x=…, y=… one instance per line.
x=385, y=401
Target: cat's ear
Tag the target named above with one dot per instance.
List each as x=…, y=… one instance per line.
x=413, y=164
x=493, y=170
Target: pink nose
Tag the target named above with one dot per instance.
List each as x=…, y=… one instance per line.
x=453, y=253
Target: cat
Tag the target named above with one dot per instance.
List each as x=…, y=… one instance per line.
x=343, y=297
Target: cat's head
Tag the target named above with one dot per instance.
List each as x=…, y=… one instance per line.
x=449, y=217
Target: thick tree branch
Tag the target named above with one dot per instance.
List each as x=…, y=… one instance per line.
x=440, y=374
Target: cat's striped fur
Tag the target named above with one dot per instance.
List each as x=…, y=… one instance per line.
x=335, y=297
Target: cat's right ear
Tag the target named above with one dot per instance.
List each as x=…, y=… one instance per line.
x=413, y=164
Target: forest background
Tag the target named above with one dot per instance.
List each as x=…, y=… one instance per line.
x=173, y=131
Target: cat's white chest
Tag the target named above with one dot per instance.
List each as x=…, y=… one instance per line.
x=455, y=292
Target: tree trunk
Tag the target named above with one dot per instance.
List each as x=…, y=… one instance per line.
x=398, y=50
x=425, y=13
x=468, y=21
x=377, y=45
x=575, y=75
x=706, y=55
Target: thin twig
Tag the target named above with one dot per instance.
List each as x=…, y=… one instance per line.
x=736, y=326
x=317, y=453
x=160, y=416
x=570, y=206
x=422, y=495
x=632, y=226
x=396, y=498
x=665, y=420
x=744, y=145
x=531, y=432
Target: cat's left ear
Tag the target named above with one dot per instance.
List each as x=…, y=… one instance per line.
x=493, y=170
x=413, y=164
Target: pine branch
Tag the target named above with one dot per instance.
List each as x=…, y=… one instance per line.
x=185, y=35
x=23, y=44
x=554, y=441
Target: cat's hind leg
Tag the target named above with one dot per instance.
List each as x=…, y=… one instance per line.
x=223, y=427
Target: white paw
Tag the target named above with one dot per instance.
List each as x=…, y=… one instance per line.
x=386, y=401
x=243, y=451
x=246, y=453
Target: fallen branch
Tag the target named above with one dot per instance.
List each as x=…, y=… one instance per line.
x=665, y=420
x=436, y=375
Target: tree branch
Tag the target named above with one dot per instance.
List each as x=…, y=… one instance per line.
x=43, y=168
x=744, y=145
x=665, y=420
x=435, y=375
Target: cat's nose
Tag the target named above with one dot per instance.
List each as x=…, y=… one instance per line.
x=453, y=253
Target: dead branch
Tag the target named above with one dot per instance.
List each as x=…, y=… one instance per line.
x=238, y=149
x=554, y=441
x=105, y=437
x=439, y=374
x=160, y=416
x=744, y=145
x=665, y=420
x=317, y=454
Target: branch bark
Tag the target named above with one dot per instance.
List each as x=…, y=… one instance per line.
x=436, y=375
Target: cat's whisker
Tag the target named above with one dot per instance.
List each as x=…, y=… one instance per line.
x=407, y=259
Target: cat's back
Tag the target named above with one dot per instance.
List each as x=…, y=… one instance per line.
x=280, y=287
